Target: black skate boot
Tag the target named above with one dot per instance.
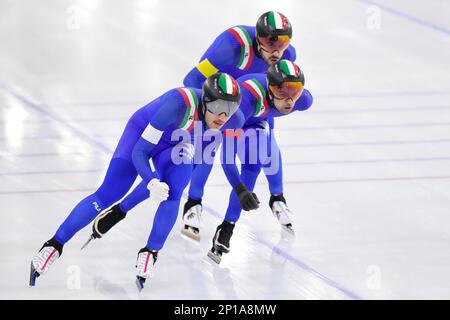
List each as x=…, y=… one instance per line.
x=104, y=222
x=47, y=255
x=192, y=215
x=144, y=266
x=221, y=241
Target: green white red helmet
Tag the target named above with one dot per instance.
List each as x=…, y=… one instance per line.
x=221, y=94
x=273, y=31
x=285, y=79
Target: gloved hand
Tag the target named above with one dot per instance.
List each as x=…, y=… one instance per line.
x=159, y=191
x=247, y=200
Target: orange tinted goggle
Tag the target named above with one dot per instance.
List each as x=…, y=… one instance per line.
x=272, y=43
x=286, y=90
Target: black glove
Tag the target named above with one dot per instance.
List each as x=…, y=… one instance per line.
x=247, y=200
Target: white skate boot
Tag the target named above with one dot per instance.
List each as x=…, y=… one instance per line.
x=42, y=261
x=145, y=266
x=281, y=211
x=192, y=219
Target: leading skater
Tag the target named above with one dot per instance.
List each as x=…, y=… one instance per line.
x=149, y=134
x=276, y=94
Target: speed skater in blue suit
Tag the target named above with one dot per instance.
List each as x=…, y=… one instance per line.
x=278, y=93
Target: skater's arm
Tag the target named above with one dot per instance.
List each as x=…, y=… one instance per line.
x=218, y=56
x=228, y=157
x=290, y=53
x=140, y=156
x=247, y=199
x=233, y=131
x=160, y=116
x=271, y=122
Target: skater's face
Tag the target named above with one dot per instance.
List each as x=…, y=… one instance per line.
x=216, y=121
x=272, y=48
x=285, y=95
x=284, y=105
x=271, y=57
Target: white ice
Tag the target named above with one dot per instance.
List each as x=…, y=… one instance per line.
x=366, y=169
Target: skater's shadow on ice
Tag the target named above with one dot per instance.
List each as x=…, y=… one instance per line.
x=222, y=279
x=192, y=251
x=284, y=245
x=110, y=289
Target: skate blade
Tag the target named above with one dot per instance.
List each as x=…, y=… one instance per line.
x=140, y=283
x=33, y=275
x=215, y=257
x=288, y=228
x=190, y=234
x=88, y=241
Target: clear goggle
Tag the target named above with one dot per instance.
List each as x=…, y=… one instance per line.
x=286, y=90
x=220, y=106
x=274, y=43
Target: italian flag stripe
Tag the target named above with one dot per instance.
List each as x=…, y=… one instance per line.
x=195, y=97
x=185, y=97
x=191, y=101
x=237, y=36
x=256, y=90
x=193, y=111
x=259, y=93
x=288, y=68
x=276, y=20
x=246, y=47
x=226, y=83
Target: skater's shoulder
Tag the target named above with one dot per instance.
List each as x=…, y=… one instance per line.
x=241, y=31
x=305, y=101
x=254, y=85
x=226, y=48
x=188, y=96
x=290, y=53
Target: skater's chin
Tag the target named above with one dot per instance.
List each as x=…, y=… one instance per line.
x=286, y=109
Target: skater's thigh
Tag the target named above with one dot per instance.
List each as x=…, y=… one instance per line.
x=119, y=178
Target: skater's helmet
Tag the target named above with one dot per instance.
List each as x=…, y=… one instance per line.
x=285, y=80
x=220, y=94
x=273, y=32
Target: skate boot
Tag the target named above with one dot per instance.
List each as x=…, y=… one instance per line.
x=192, y=218
x=104, y=222
x=281, y=211
x=144, y=266
x=221, y=241
x=41, y=262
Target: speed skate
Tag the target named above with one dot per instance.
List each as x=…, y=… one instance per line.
x=215, y=254
x=192, y=215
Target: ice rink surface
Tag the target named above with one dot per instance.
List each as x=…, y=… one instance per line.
x=366, y=169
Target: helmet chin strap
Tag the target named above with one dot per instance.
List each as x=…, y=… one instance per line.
x=202, y=111
x=258, y=48
x=270, y=95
